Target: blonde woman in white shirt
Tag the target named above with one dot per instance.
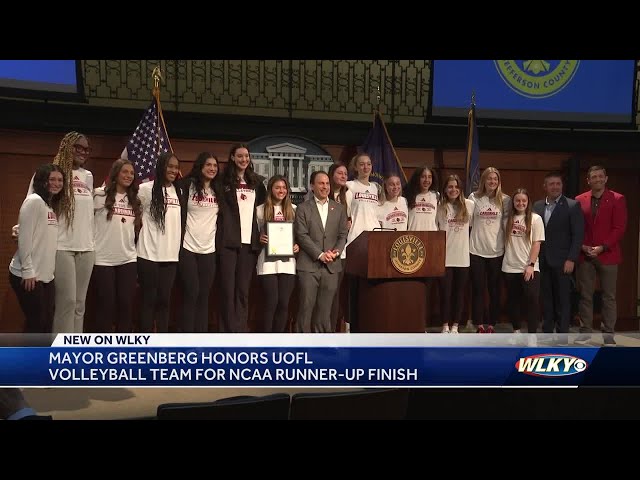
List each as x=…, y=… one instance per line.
x=393, y=212
x=454, y=216
x=486, y=248
x=118, y=216
x=31, y=271
x=277, y=276
x=524, y=233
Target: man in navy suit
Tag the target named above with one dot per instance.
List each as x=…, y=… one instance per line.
x=563, y=231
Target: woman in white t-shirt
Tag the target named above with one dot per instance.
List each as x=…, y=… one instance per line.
x=338, y=175
x=524, y=235
x=159, y=243
x=197, y=265
x=454, y=216
x=393, y=211
x=486, y=248
x=277, y=276
x=118, y=216
x=31, y=270
x=364, y=217
x=422, y=198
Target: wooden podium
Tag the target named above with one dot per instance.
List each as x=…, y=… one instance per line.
x=388, y=272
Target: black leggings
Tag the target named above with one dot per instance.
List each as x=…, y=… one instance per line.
x=37, y=305
x=237, y=266
x=525, y=295
x=277, y=289
x=452, y=289
x=485, y=273
x=156, y=280
x=115, y=290
x=197, y=272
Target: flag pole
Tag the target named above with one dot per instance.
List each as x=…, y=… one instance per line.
x=157, y=78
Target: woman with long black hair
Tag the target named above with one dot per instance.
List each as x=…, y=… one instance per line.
x=239, y=191
x=159, y=243
x=197, y=265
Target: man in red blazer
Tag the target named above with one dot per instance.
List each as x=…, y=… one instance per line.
x=605, y=221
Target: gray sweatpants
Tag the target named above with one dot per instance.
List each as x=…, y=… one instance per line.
x=72, y=276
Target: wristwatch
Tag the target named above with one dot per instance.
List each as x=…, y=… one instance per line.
x=532, y=264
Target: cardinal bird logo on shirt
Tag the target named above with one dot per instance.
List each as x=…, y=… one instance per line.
x=243, y=196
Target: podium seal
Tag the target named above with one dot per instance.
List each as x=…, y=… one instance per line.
x=407, y=254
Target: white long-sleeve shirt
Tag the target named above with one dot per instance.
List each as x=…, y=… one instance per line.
x=37, y=242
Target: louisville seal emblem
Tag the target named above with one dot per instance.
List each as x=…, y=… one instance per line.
x=537, y=78
x=407, y=254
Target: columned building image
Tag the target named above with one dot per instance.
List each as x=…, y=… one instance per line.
x=294, y=157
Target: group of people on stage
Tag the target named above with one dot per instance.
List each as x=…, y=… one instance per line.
x=127, y=234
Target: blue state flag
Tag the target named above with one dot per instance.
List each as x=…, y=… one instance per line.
x=472, y=162
x=378, y=146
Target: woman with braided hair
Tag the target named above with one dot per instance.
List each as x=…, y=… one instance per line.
x=75, y=253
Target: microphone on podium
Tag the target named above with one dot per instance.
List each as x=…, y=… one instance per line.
x=383, y=229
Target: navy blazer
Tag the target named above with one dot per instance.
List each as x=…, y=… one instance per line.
x=563, y=233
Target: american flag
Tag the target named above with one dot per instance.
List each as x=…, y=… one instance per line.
x=148, y=141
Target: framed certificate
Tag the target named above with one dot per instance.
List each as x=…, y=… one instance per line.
x=280, y=239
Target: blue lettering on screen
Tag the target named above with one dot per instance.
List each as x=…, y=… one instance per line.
x=580, y=91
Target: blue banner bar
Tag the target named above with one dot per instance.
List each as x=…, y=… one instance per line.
x=318, y=367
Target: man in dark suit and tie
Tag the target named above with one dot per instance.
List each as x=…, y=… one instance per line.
x=321, y=232
x=563, y=231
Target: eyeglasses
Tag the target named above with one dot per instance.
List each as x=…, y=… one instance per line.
x=81, y=149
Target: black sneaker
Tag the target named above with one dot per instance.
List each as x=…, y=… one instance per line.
x=608, y=340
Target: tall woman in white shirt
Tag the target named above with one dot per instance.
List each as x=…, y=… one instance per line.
x=277, y=276
x=338, y=175
x=364, y=217
x=454, y=217
x=486, y=248
x=31, y=270
x=524, y=235
x=118, y=216
x=197, y=265
x=159, y=243
x=393, y=211
x=239, y=191
x=75, y=255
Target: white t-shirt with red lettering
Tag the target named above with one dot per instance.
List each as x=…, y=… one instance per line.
x=394, y=214
x=457, y=247
x=422, y=217
x=487, y=229
x=115, y=238
x=154, y=245
x=517, y=251
x=364, y=210
x=202, y=216
x=246, y=206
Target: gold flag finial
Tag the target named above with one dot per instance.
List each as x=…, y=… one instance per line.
x=157, y=76
x=378, y=97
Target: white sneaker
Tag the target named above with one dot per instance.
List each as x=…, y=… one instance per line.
x=445, y=328
x=454, y=329
x=347, y=327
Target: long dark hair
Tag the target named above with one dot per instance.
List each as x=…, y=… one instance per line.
x=196, y=173
x=513, y=212
x=159, y=191
x=41, y=186
x=287, y=206
x=230, y=174
x=132, y=193
x=64, y=159
x=414, y=189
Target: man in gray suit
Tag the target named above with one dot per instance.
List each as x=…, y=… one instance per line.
x=321, y=232
x=563, y=232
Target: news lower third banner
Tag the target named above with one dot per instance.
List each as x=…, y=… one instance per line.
x=314, y=360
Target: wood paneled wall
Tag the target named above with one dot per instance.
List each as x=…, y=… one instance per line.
x=21, y=152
